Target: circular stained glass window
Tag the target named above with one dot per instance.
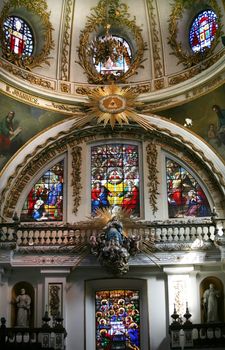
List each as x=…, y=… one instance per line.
x=111, y=55
x=18, y=37
x=203, y=30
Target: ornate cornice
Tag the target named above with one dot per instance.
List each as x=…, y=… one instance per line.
x=158, y=94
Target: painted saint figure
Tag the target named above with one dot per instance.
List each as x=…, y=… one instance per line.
x=7, y=132
x=221, y=122
x=23, y=302
x=210, y=300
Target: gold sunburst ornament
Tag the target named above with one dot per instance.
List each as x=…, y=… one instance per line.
x=112, y=104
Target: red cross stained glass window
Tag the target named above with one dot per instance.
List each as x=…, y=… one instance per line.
x=18, y=36
x=203, y=30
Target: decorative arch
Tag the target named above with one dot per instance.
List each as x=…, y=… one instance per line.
x=165, y=134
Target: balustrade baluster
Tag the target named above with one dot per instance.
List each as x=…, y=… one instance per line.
x=193, y=233
x=51, y=236
x=58, y=234
x=168, y=233
x=199, y=232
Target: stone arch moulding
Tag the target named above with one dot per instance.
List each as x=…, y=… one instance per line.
x=54, y=142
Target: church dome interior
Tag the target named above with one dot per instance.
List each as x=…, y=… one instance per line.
x=112, y=174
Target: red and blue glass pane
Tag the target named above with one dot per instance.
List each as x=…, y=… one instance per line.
x=117, y=320
x=18, y=36
x=185, y=195
x=115, y=177
x=119, y=66
x=203, y=31
x=45, y=200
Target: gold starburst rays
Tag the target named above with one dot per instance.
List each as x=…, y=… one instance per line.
x=112, y=104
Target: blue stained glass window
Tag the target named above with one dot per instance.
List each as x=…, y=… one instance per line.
x=115, y=177
x=45, y=200
x=185, y=195
x=117, y=319
x=119, y=66
x=203, y=30
x=18, y=36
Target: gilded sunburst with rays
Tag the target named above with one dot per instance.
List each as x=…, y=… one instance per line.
x=113, y=104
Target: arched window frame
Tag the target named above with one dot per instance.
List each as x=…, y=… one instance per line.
x=35, y=14
x=202, y=49
x=94, y=285
x=13, y=19
x=140, y=164
x=165, y=209
x=126, y=43
x=42, y=171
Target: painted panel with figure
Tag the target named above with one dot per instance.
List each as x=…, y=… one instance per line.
x=19, y=123
x=205, y=116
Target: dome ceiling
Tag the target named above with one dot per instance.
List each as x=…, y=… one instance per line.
x=158, y=65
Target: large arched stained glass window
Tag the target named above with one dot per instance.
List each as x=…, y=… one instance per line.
x=203, y=30
x=117, y=319
x=115, y=177
x=185, y=195
x=18, y=36
x=45, y=199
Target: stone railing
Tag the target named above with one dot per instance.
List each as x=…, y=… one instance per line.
x=45, y=337
x=58, y=234
x=197, y=336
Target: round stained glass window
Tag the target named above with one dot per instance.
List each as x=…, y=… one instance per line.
x=111, y=55
x=18, y=37
x=203, y=30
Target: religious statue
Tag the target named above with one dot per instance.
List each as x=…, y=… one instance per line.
x=210, y=301
x=23, y=302
x=113, y=248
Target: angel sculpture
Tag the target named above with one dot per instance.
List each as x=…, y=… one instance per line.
x=112, y=245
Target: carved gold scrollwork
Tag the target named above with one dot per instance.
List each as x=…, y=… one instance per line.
x=38, y=8
x=189, y=58
x=152, y=155
x=66, y=41
x=159, y=69
x=76, y=177
x=120, y=18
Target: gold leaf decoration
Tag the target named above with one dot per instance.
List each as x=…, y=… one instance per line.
x=112, y=104
x=117, y=17
x=152, y=155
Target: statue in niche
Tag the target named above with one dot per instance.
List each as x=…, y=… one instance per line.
x=23, y=302
x=210, y=301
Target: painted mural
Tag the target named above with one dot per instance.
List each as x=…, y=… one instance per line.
x=19, y=123
x=205, y=116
